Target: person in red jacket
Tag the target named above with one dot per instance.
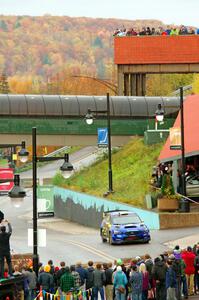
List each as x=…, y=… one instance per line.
x=188, y=256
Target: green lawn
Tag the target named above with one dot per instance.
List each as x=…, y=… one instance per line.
x=3, y=163
x=132, y=167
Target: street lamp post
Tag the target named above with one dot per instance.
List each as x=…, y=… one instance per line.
x=23, y=153
x=159, y=114
x=17, y=193
x=66, y=168
x=89, y=120
x=182, y=141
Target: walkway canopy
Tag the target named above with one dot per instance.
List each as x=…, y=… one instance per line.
x=191, y=131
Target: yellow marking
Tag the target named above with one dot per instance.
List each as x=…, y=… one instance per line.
x=93, y=250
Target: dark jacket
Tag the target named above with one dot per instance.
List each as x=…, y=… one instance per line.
x=58, y=275
x=149, y=266
x=159, y=271
x=90, y=278
x=99, y=278
x=46, y=281
x=108, y=276
x=82, y=273
x=5, y=241
x=196, y=263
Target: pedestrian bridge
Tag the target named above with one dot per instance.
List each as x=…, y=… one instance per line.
x=60, y=119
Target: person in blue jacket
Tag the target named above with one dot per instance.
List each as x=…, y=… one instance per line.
x=171, y=282
x=120, y=282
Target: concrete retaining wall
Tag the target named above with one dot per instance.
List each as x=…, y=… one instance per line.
x=87, y=210
x=178, y=220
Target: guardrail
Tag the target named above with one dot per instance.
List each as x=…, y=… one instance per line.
x=57, y=151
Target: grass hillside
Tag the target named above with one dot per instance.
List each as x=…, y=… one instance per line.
x=132, y=167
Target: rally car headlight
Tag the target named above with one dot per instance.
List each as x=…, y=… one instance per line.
x=144, y=227
x=116, y=232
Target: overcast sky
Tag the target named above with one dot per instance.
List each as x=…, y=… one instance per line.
x=169, y=11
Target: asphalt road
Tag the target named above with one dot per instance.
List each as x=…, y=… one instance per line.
x=72, y=242
x=82, y=158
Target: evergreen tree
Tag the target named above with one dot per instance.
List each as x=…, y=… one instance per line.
x=3, y=25
x=98, y=42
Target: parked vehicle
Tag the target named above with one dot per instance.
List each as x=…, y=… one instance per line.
x=123, y=226
x=192, y=186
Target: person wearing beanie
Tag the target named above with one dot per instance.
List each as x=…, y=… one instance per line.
x=188, y=256
x=178, y=265
x=46, y=280
x=119, y=262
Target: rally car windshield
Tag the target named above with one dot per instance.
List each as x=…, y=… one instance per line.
x=119, y=220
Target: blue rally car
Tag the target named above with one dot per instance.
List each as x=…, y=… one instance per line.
x=121, y=226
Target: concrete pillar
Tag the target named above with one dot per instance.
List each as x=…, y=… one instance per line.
x=126, y=84
x=138, y=84
x=143, y=84
x=175, y=175
x=132, y=84
x=120, y=80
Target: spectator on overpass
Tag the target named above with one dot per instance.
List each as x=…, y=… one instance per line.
x=5, y=248
x=174, y=31
x=183, y=30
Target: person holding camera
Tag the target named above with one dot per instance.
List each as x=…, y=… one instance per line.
x=5, y=248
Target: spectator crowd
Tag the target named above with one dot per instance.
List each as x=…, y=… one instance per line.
x=169, y=30
x=171, y=276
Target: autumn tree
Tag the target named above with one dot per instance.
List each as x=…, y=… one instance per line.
x=4, y=87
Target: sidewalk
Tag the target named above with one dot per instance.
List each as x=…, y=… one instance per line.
x=61, y=225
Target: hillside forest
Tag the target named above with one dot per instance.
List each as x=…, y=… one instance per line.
x=65, y=55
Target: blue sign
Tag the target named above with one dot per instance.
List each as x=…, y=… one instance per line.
x=102, y=137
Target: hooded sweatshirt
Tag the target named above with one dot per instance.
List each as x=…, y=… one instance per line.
x=159, y=270
x=188, y=257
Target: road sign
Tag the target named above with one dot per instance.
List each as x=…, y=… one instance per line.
x=41, y=237
x=45, y=198
x=175, y=138
x=46, y=214
x=102, y=137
